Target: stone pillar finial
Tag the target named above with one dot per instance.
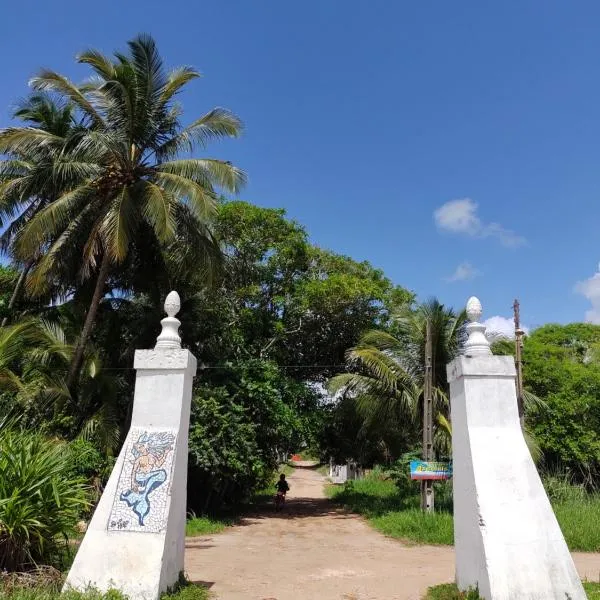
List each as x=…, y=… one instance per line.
x=169, y=336
x=477, y=344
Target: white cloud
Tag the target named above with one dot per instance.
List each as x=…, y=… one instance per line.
x=460, y=216
x=464, y=272
x=590, y=288
x=502, y=327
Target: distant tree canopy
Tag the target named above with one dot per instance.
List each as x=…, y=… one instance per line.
x=561, y=365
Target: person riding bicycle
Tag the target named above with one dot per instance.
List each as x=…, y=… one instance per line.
x=282, y=485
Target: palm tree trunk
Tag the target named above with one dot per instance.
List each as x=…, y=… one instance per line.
x=90, y=318
x=18, y=289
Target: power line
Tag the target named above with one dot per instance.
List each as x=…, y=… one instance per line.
x=204, y=368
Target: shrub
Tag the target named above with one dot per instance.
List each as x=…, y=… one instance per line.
x=40, y=499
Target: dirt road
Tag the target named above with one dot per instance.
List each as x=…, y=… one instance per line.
x=314, y=551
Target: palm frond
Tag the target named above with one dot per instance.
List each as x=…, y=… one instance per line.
x=206, y=172
x=100, y=63
x=50, y=80
x=119, y=224
x=176, y=79
x=50, y=220
x=26, y=140
x=216, y=124
x=158, y=209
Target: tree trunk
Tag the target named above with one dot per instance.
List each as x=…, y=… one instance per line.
x=90, y=318
x=18, y=289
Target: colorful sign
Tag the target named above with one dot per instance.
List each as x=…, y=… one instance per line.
x=420, y=469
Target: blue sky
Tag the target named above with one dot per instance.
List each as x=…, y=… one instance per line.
x=456, y=145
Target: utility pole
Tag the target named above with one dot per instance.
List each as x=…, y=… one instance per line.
x=427, y=496
x=518, y=361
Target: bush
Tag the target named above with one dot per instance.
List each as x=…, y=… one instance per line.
x=40, y=499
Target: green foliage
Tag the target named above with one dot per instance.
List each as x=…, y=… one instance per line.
x=561, y=365
x=224, y=464
x=415, y=525
x=187, y=591
x=40, y=498
x=197, y=526
x=395, y=514
x=394, y=509
x=51, y=593
x=8, y=279
x=592, y=589
x=236, y=429
x=449, y=591
x=282, y=299
x=45, y=591
x=386, y=377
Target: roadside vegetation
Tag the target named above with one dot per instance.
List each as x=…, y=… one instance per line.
x=390, y=502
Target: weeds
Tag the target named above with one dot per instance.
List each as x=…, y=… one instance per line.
x=394, y=510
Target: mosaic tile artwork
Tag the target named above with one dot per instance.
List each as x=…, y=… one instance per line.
x=143, y=490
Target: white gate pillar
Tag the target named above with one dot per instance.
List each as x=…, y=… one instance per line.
x=507, y=540
x=136, y=539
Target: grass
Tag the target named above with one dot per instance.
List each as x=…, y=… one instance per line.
x=206, y=526
x=398, y=515
x=323, y=470
x=285, y=469
x=15, y=587
x=592, y=590
x=449, y=591
x=413, y=525
x=392, y=514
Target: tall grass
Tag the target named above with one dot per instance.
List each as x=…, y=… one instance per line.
x=395, y=514
x=395, y=510
x=577, y=512
x=40, y=499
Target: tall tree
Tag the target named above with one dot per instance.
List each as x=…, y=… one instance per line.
x=126, y=171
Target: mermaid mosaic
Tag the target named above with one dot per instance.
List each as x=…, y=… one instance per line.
x=150, y=452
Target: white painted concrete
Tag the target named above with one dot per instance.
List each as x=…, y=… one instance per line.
x=508, y=542
x=141, y=553
x=342, y=473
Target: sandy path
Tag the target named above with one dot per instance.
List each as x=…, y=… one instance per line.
x=313, y=551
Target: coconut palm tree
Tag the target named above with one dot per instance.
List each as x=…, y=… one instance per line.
x=386, y=375
x=387, y=368
x=34, y=358
x=27, y=181
x=125, y=167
